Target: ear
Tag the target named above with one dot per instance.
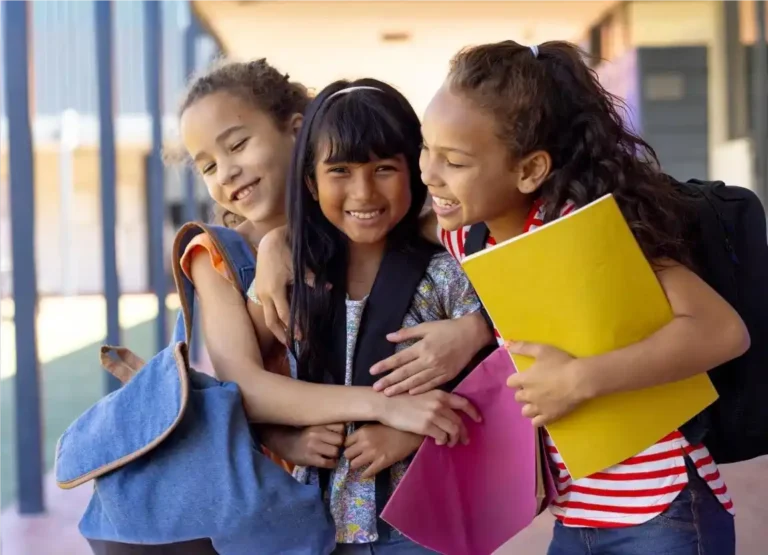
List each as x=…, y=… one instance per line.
x=294, y=124
x=534, y=169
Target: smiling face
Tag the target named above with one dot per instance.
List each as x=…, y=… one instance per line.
x=242, y=154
x=464, y=164
x=365, y=201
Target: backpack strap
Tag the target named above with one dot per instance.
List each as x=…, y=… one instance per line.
x=477, y=239
x=238, y=255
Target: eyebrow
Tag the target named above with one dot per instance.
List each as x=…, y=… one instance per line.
x=223, y=136
x=449, y=149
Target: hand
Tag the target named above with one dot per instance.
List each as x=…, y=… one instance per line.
x=444, y=349
x=550, y=388
x=317, y=446
x=430, y=414
x=274, y=273
x=379, y=447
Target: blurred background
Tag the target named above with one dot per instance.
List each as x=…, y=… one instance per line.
x=88, y=207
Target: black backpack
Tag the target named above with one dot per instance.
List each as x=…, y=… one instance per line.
x=730, y=251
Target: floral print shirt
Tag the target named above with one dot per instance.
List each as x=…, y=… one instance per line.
x=444, y=293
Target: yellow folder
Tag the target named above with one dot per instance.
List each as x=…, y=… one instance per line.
x=582, y=284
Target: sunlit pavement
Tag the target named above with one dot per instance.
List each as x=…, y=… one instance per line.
x=56, y=533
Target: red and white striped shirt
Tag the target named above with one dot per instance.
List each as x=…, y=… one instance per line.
x=629, y=493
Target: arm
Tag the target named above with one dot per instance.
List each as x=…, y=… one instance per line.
x=236, y=354
x=704, y=333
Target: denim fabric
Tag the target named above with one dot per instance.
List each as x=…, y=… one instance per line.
x=397, y=544
x=206, y=479
x=695, y=524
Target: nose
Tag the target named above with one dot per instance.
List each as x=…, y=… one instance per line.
x=226, y=173
x=429, y=176
x=362, y=186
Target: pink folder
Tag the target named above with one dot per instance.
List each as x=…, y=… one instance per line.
x=469, y=500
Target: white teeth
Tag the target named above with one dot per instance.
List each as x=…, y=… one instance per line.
x=444, y=202
x=365, y=215
x=241, y=194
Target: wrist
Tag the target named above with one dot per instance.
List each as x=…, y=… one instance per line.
x=478, y=330
x=377, y=407
x=583, y=383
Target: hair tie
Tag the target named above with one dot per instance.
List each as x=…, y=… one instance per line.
x=534, y=50
x=350, y=89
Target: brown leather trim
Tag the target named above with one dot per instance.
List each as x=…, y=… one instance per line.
x=180, y=356
x=121, y=362
x=178, y=276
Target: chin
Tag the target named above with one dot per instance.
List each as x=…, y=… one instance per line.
x=450, y=224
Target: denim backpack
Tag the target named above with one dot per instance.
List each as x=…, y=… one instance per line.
x=173, y=458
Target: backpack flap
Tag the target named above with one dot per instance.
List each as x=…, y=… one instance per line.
x=123, y=426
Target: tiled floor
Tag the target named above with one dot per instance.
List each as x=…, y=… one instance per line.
x=56, y=532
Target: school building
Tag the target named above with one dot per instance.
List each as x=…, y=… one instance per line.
x=686, y=69
x=693, y=74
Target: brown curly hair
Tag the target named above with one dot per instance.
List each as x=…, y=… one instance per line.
x=554, y=102
x=258, y=83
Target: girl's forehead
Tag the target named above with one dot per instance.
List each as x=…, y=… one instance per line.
x=450, y=117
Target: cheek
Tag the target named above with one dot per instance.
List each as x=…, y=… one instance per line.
x=331, y=200
x=215, y=192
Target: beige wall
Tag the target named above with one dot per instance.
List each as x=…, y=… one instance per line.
x=318, y=42
x=84, y=251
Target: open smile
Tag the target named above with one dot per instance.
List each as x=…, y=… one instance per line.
x=244, y=191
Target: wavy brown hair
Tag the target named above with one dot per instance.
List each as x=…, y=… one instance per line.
x=554, y=102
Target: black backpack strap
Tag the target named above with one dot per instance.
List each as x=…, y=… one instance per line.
x=391, y=297
x=477, y=239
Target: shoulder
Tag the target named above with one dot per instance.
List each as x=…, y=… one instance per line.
x=445, y=272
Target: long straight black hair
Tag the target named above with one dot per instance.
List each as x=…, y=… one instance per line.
x=358, y=126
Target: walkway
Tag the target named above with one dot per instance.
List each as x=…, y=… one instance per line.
x=72, y=382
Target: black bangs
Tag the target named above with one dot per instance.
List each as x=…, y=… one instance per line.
x=357, y=127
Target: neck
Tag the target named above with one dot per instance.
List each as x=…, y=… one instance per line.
x=362, y=267
x=256, y=230
x=510, y=224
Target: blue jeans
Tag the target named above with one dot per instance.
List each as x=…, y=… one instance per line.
x=397, y=544
x=695, y=524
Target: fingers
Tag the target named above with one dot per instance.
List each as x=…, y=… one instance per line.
x=410, y=375
x=354, y=451
x=533, y=350
x=434, y=383
x=272, y=319
x=395, y=361
x=416, y=332
x=460, y=403
x=379, y=464
x=516, y=381
x=283, y=310
x=336, y=428
x=451, y=427
x=530, y=411
x=331, y=438
x=521, y=395
x=436, y=433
